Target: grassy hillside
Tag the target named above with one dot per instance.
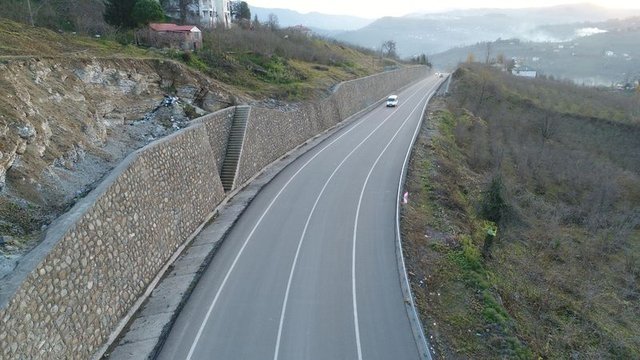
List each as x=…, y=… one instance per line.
x=523, y=230
x=281, y=63
x=277, y=63
x=20, y=40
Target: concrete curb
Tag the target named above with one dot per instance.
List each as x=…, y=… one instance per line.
x=143, y=331
x=424, y=349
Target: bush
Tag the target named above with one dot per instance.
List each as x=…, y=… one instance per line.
x=494, y=206
x=190, y=111
x=284, y=43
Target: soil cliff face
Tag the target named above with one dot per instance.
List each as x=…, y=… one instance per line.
x=64, y=123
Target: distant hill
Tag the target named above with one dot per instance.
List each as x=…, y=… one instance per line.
x=558, y=14
x=434, y=33
x=570, y=31
x=321, y=23
x=600, y=59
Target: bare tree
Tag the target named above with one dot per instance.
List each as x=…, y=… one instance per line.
x=470, y=58
x=272, y=22
x=546, y=128
x=486, y=61
x=389, y=49
x=30, y=13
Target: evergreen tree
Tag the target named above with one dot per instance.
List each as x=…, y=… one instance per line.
x=131, y=13
x=146, y=11
x=119, y=13
x=243, y=11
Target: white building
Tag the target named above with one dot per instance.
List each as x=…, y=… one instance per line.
x=206, y=13
x=524, y=71
x=223, y=13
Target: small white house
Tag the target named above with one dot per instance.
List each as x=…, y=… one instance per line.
x=524, y=71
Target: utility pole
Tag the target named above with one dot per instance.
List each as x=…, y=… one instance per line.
x=488, y=53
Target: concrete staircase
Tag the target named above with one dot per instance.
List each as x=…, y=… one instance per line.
x=234, y=147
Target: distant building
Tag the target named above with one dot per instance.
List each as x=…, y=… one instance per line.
x=185, y=37
x=222, y=16
x=524, y=71
x=206, y=13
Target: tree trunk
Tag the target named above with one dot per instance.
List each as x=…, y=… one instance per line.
x=30, y=13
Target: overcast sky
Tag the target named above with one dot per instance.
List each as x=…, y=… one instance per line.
x=380, y=8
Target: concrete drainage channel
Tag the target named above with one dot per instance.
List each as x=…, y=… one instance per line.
x=149, y=323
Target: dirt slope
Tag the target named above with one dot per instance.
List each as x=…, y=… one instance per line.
x=64, y=123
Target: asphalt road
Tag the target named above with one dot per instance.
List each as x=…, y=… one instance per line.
x=309, y=271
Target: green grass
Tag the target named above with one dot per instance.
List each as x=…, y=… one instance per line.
x=467, y=302
x=467, y=259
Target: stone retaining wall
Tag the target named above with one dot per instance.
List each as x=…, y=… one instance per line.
x=100, y=257
x=271, y=133
x=218, y=126
x=66, y=297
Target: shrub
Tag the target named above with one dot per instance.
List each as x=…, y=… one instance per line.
x=494, y=206
x=190, y=111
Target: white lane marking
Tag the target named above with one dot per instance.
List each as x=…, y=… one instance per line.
x=355, y=227
x=244, y=245
x=235, y=260
x=304, y=232
x=421, y=338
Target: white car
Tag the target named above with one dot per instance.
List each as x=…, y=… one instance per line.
x=392, y=101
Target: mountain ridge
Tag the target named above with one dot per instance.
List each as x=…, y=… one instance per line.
x=438, y=32
x=319, y=21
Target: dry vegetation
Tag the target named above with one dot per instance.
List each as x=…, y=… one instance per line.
x=20, y=40
x=279, y=63
x=556, y=168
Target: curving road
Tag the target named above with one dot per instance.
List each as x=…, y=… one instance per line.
x=309, y=271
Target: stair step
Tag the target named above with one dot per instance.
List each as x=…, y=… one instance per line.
x=234, y=146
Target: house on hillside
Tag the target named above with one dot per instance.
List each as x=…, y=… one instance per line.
x=206, y=13
x=185, y=37
x=524, y=71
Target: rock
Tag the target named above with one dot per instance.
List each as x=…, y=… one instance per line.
x=22, y=147
x=187, y=91
x=6, y=164
x=27, y=132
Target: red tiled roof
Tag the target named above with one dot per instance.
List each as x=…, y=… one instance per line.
x=172, y=27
